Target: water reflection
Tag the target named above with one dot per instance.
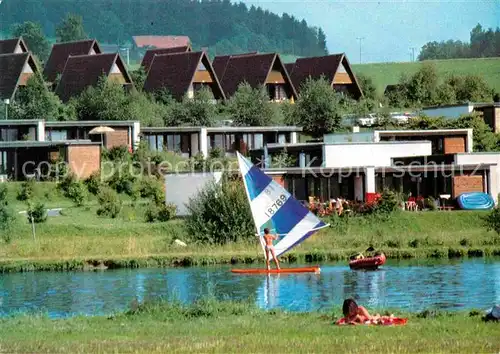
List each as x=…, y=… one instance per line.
x=411, y=285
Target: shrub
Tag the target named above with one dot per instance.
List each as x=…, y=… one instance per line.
x=219, y=214
x=37, y=212
x=492, y=221
x=7, y=216
x=161, y=213
x=117, y=153
x=151, y=187
x=93, y=183
x=110, y=203
x=388, y=202
x=77, y=193
x=27, y=190
x=430, y=203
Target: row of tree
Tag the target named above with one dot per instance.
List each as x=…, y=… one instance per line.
x=427, y=88
x=227, y=26
x=483, y=43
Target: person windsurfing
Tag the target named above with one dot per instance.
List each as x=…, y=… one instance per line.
x=268, y=238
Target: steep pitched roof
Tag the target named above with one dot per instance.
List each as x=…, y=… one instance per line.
x=175, y=72
x=253, y=69
x=11, y=68
x=220, y=62
x=148, y=57
x=289, y=68
x=82, y=71
x=8, y=46
x=161, y=41
x=327, y=66
x=60, y=53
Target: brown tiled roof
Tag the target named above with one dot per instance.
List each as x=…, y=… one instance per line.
x=60, y=53
x=326, y=66
x=8, y=46
x=175, y=72
x=11, y=68
x=148, y=57
x=161, y=41
x=221, y=61
x=82, y=71
x=253, y=69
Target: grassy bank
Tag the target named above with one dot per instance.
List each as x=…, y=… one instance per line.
x=384, y=74
x=79, y=239
x=228, y=327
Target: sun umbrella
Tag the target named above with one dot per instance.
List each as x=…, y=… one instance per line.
x=101, y=130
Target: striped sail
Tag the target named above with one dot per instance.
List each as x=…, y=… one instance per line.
x=273, y=207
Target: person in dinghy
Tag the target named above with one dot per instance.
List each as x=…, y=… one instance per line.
x=268, y=238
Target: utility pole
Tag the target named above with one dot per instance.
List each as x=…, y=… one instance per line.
x=360, y=39
x=412, y=53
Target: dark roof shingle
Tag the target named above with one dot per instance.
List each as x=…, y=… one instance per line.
x=253, y=69
x=326, y=66
x=148, y=57
x=83, y=71
x=11, y=68
x=175, y=72
x=60, y=53
x=8, y=46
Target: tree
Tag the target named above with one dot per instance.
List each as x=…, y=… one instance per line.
x=251, y=107
x=202, y=108
x=36, y=101
x=421, y=87
x=139, y=77
x=319, y=108
x=33, y=36
x=71, y=29
x=367, y=86
x=471, y=88
x=482, y=134
x=322, y=41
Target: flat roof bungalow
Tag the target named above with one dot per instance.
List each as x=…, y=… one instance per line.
x=182, y=74
x=257, y=70
x=335, y=68
x=151, y=53
x=189, y=141
x=15, y=71
x=62, y=51
x=82, y=71
x=13, y=46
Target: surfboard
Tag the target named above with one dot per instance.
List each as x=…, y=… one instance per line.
x=275, y=208
x=316, y=270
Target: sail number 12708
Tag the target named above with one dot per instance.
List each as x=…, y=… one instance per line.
x=275, y=206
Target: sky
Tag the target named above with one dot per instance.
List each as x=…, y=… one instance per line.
x=388, y=28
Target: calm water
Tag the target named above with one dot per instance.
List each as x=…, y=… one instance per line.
x=409, y=285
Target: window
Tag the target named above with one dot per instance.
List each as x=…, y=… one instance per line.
x=58, y=135
x=9, y=134
x=152, y=142
x=174, y=142
x=282, y=138
x=159, y=142
x=258, y=141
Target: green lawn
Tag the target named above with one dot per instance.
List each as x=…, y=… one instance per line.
x=384, y=74
x=80, y=236
x=226, y=327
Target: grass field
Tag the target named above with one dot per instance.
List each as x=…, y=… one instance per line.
x=228, y=327
x=384, y=74
x=80, y=237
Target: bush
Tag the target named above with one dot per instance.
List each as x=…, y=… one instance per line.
x=117, y=154
x=27, y=190
x=220, y=214
x=37, y=212
x=161, y=213
x=110, y=203
x=93, y=183
x=151, y=187
x=492, y=221
x=7, y=216
x=430, y=204
x=77, y=193
x=388, y=202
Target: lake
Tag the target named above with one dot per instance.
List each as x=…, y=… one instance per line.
x=409, y=285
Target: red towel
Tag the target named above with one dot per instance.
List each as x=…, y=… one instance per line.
x=383, y=321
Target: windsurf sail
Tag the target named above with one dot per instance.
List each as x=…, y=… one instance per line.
x=275, y=208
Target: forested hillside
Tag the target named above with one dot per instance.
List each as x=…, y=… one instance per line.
x=223, y=26
x=483, y=44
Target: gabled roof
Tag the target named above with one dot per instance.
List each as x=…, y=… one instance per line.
x=60, y=53
x=253, y=69
x=175, y=72
x=82, y=71
x=289, y=68
x=148, y=57
x=11, y=68
x=327, y=66
x=8, y=46
x=220, y=62
x=161, y=41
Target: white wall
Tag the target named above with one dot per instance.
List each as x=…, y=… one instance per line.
x=180, y=187
x=448, y=112
x=372, y=154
